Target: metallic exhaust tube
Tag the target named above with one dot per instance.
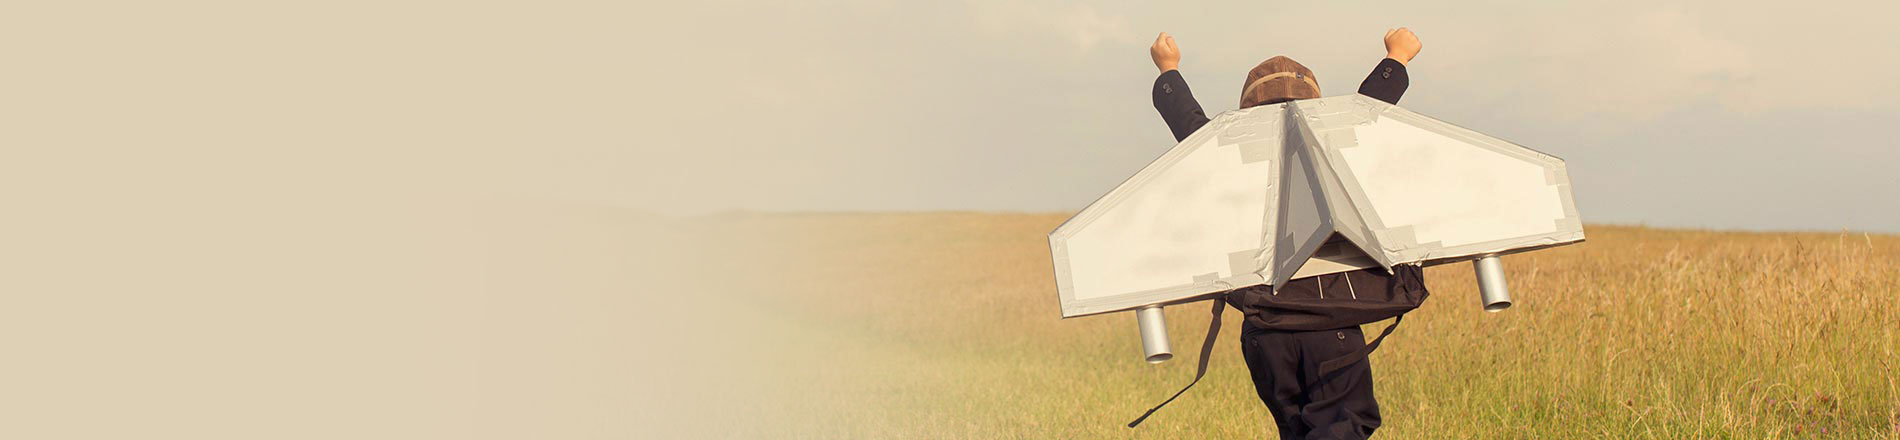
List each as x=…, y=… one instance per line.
x=1154, y=334
x=1491, y=290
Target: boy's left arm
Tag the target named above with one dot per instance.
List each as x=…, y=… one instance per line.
x=1177, y=105
x=1171, y=95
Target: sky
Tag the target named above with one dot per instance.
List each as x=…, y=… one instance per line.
x=1730, y=115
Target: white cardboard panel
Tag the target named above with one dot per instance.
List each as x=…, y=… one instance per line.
x=1172, y=230
x=1250, y=197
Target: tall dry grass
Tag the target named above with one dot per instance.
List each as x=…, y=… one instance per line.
x=945, y=325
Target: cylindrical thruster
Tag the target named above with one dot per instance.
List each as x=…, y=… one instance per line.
x=1154, y=334
x=1491, y=290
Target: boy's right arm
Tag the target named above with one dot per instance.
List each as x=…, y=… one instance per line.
x=1171, y=95
x=1389, y=80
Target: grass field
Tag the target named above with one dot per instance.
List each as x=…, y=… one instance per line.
x=945, y=325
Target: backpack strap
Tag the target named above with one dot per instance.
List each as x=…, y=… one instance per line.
x=1207, y=348
x=1334, y=364
x=1413, y=275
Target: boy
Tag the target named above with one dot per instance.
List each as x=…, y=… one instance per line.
x=1284, y=356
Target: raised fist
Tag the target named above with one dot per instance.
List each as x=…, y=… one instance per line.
x=1400, y=45
x=1167, y=56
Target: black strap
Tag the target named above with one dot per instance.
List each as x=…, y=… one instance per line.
x=1207, y=348
x=1334, y=364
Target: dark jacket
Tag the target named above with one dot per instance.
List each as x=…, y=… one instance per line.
x=1184, y=115
x=1177, y=105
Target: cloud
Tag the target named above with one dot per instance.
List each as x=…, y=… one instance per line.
x=1665, y=57
x=1078, y=23
x=1633, y=63
x=1632, y=66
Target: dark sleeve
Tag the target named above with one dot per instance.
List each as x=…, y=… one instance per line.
x=1387, y=82
x=1177, y=105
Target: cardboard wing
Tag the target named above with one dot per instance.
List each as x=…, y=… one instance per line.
x=1271, y=193
x=1407, y=188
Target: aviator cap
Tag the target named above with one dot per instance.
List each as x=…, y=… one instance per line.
x=1276, y=80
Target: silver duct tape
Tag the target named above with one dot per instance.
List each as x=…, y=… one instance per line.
x=1243, y=127
x=1339, y=139
x=1244, y=262
x=1258, y=151
x=1570, y=205
x=1396, y=239
x=1570, y=223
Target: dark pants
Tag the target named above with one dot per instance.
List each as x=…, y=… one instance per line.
x=1339, y=406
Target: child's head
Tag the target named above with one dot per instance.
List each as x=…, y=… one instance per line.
x=1277, y=80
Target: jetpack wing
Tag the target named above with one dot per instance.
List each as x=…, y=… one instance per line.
x=1272, y=193
x=1407, y=188
x=1194, y=222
